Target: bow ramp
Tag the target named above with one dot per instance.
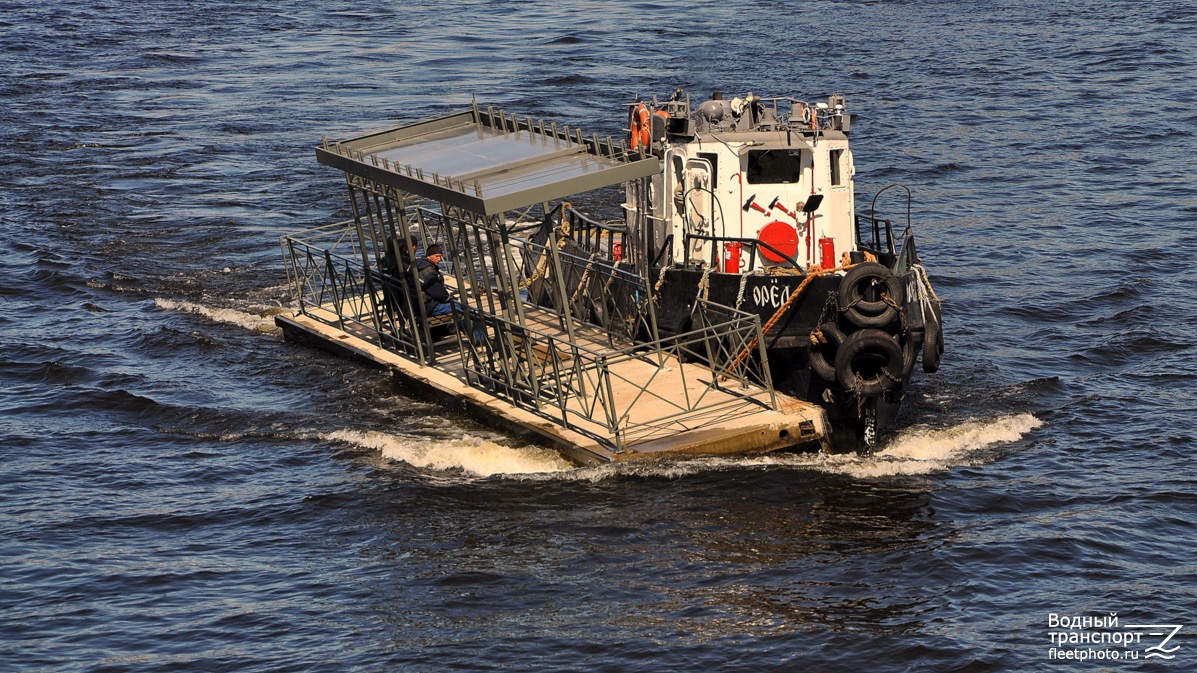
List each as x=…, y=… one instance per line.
x=551, y=328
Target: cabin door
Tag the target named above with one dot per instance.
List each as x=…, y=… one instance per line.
x=671, y=204
x=699, y=208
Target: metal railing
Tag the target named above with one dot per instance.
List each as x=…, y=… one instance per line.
x=878, y=233
x=571, y=338
x=589, y=289
x=875, y=233
x=332, y=286
x=322, y=268
x=749, y=249
x=592, y=236
x=629, y=393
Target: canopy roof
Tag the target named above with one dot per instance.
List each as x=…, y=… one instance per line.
x=487, y=162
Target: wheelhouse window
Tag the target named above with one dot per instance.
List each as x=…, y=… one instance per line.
x=771, y=167
x=837, y=162
x=713, y=159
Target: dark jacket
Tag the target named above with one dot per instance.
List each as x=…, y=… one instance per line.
x=395, y=266
x=432, y=283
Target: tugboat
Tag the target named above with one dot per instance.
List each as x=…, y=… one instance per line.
x=739, y=305
x=754, y=208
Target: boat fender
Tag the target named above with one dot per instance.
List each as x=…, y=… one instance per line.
x=910, y=351
x=869, y=363
x=825, y=342
x=855, y=288
x=932, y=344
x=640, y=134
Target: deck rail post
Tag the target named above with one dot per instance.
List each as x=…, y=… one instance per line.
x=766, y=376
x=331, y=281
x=613, y=415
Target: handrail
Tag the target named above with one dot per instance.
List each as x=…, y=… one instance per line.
x=600, y=391
x=575, y=381
x=871, y=216
x=875, y=224
x=337, y=290
x=753, y=242
x=606, y=226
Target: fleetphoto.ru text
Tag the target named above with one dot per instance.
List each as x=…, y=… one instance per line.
x=1104, y=638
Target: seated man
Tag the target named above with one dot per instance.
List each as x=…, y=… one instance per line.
x=437, y=301
x=436, y=296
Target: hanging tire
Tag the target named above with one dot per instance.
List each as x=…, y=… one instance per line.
x=822, y=355
x=910, y=351
x=932, y=344
x=869, y=363
x=869, y=295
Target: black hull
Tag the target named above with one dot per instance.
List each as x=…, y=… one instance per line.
x=788, y=343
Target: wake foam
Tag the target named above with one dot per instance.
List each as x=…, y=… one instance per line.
x=250, y=321
x=915, y=451
x=475, y=455
x=922, y=449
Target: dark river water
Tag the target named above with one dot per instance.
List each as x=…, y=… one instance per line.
x=180, y=490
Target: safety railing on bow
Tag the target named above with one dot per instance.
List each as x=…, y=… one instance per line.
x=630, y=393
x=568, y=336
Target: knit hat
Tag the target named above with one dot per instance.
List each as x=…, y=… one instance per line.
x=434, y=249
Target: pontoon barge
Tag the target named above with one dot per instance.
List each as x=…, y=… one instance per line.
x=740, y=305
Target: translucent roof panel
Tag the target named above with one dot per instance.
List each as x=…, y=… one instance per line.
x=487, y=162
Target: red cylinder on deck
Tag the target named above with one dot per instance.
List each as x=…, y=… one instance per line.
x=782, y=239
x=616, y=251
x=827, y=253
x=731, y=257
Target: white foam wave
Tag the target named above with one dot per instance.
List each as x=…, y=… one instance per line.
x=250, y=321
x=922, y=449
x=915, y=451
x=475, y=455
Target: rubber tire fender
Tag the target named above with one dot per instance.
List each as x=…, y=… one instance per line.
x=911, y=349
x=865, y=313
x=819, y=363
x=932, y=344
x=875, y=345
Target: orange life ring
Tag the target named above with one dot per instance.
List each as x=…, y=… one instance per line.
x=641, y=131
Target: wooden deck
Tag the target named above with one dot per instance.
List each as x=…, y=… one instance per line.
x=732, y=419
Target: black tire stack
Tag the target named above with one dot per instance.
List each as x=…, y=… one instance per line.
x=868, y=348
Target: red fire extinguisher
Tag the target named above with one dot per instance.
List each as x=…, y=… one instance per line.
x=827, y=252
x=731, y=257
x=616, y=251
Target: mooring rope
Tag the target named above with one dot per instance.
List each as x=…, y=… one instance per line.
x=543, y=264
x=810, y=276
